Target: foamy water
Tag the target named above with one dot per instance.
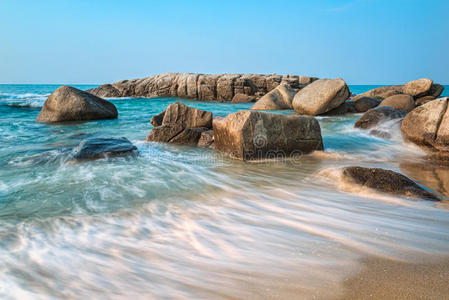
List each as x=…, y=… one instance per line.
x=181, y=222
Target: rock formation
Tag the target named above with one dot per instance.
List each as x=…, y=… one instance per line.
x=96, y=148
x=400, y=102
x=376, y=116
x=279, y=98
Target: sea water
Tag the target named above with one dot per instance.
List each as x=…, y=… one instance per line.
x=183, y=222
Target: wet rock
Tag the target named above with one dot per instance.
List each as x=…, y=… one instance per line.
x=321, y=96
x=70, y=104
x=435, y=176
x=338, y=111
x=378, y=115
x=96, y=148
x=157, y=119
x=417, y=88
x=188, y=136
x=106, y=90
x=380, y=134
x=279, y=98
x=206, y=139
x=164, y=133
x=364, y=104
x=399, y=102
x=251, y=135
x=386, y=181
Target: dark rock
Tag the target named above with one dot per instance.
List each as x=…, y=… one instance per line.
x=338, y=111
x=157, y=119
x=375, y=116
x=106, y=90
x=386, y=181
x=424, y=100
x=250, y=135
x=164, y=133
x=96, y=148
x=364, y=104
x=436, y=90
x=206, y=139
x=399, y=102
x=70, y=104
x=188, y=136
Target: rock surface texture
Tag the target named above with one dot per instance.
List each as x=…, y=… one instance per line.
x=321, y=96
x=70, y=104
x=252, y=135
x=428, y=127
x=96, y=148
x=181, y=124
x=221, y=87
x=386, y=181
x=399, y=102
x=378, y=115
x=279, y=98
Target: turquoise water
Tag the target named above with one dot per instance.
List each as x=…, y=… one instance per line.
x=181, y=222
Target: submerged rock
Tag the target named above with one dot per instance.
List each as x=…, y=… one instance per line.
x=385, y=181
x=399, y=102
x=70, y=104
x=321, y=96
x=376, y=116
x=251, y=135
x=96, y=148
x=279, y=98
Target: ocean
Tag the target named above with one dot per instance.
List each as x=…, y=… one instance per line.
x=189, y=223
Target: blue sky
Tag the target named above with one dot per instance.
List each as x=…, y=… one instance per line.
x=95, y=41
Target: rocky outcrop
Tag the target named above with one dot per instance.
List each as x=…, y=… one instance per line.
x=279, y=98
x=381, y=92
x=428, y=127
x=417, y=88
x=206, y=139
x=252, y=135
x=181, y=124
x=424, y=100
x=385, y=181
x=97, y=148
x=399, y=102
x=378, y=115
x=157, y=119
x=221, y=87
x=321, y=96
x=70, y=104
x=362, y=104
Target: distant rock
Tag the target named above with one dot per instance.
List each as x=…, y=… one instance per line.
x=252, y=135
x=385, y=181
x=106, y=90
x=399, y=102
x=376, y=116
x=181, y=124
x=363, y=104
x=417, y=88
x=279, y=98
x=321, y=96
x=70, y=104
x=428, y=127
x=156, y=120
x=97, y=148
x=380, y=92
x=243, y=98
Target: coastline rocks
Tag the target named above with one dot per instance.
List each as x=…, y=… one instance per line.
x=97, y=148
x=206, y=139
x=279, y=98
x=252, y=135
x=157, y=119
x=424, y=100
x=417, y=88
x=428, y=127
x=380, y=92
x=70, y=104
x=181, y=124
x=399, y=102
x=363, y=104
x=321, y=96
x=375, y=116
x=385, y=181
x=222, y=87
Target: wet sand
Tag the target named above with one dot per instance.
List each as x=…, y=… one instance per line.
x=382, y=278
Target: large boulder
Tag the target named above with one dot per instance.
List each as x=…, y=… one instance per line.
x=70, y=104
x=381, y=92
x=96, y=148
x=279, y=98
x=399, y=102
x=378, y=115
x=252, y=135
x=321, y=96
x=385, y=181
x=428, y=126
x=106, y=90
x=180, y=124
x=417, y=88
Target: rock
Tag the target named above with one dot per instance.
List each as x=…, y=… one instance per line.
x=279, y=98
x=417, y=88
x=338, y=111
x=206, y=139
x=164, y=133
x=187, y=117
x=70, y=104
x=399, y=102
x=375, y=116
x=363, y=104
x=435, y=176
x=381, y=92
x=96, y=148
x=321, y=96
x=428, y=126
x=385, y=181
x=157, y=119
x=436, y=90
x=380, y=134
x=250, y=135
x=424, y=100
x=106, y=90
x=188, y=136
x=243, y=98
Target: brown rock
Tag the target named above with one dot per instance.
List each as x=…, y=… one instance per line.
x=279, y=98
x=363, y=104
x=321, y=96
x=424, y=100
x=375, y=116
x=164, y=133
x=399, y=102
x=417, y=88
x=250, y=135
x=106, y=90
x=436, y=90
x=243, y=98
x=187, y=117
x=188, y=136
x=70, y=104
x=206, y=139
x=157, y=119
x=381, y=92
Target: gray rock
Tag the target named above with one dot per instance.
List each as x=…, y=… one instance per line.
x=70, y=104
x=399, y=102
x=321, y=96
x=252, y=135
x=96, y=148
x=376, y=116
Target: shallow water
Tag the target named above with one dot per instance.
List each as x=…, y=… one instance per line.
x=181, y=222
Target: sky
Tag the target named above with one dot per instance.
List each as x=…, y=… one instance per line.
x=102, y=41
